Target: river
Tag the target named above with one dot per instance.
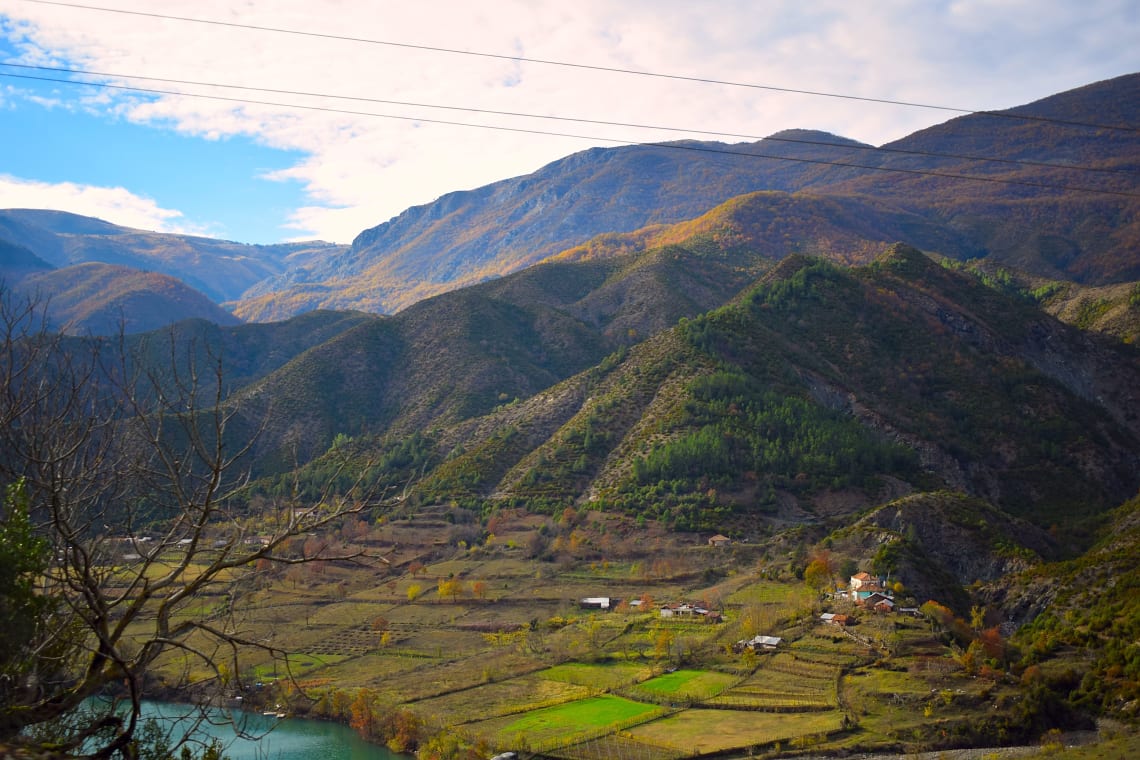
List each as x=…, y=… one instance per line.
x=272, y=739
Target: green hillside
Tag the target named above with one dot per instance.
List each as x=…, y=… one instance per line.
x=814, y=394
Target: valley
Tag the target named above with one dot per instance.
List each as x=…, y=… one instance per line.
x=588, y=464
x=463, y=638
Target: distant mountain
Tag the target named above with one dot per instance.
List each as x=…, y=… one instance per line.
x=248, y=352
x=1059, y=198
x=1011, y=186
x=16, y=262
x=222, y=270
x=1034, y=187
x=101, y=299
x=466, y=237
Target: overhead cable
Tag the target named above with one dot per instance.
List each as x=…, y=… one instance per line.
x=577, y=120
x=592, y=138
x=583, y=66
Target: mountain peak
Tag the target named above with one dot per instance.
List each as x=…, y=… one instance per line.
x=813, y=136
x=904, y=259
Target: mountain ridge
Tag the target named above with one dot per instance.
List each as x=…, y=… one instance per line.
x=1017, y=213
x=469, y=236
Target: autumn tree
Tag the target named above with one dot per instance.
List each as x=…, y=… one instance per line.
x=364, y=715
x=449, y=587
x=977, y=618
x=820, y=572
x=817, y=576
x=113, y=449
x=662, y=643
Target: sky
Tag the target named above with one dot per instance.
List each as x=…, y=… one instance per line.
x=267, y=121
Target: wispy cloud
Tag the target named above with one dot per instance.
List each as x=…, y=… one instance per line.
x=112, y=203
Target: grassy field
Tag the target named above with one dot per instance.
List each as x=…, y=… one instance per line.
x=685, y=685
x=563, y=725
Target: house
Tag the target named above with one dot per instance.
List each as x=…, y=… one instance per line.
x=719, y=540
x=879, y=602
x=864, y=585
x=834, y=618
x=757, y=642
x=682, y=609
x=688, y=609
x=598, y=603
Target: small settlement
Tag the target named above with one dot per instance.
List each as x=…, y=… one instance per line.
x=867, y=592
x=863, y=591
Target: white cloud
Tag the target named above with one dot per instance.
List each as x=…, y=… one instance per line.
x=109, y=203
x=364, y=169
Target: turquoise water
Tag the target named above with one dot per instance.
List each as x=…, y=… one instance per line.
x=269, y=738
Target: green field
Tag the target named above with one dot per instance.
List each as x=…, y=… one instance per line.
x=569, y=723
x=687, y=684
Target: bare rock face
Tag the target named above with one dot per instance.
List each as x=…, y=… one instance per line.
x=949, y=541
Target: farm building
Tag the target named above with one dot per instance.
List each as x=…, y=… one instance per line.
x=758, y=642
x=598, y=603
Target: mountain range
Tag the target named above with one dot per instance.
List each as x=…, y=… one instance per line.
x=1042, y=189
x=515, y=305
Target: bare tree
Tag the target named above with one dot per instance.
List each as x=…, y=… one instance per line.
x=124, y=459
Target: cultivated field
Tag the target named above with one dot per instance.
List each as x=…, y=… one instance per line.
x=479, y=639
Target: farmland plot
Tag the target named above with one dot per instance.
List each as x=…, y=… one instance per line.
x=700, y=731
x=784, y=684
x=683, y=686
x=598, y=675
x=493, y=700
x=564, y=725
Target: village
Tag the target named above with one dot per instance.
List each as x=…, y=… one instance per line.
x=864, y=593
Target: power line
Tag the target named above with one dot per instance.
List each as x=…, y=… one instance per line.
x=548, y=117
x=584, y=66
x=593, y=138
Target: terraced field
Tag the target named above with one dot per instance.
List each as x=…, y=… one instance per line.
x=784, y=684
x=497, y=650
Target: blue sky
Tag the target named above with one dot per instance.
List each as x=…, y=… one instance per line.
x=268, y=172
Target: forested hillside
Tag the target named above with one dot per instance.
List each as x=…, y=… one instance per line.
x=815, y=393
